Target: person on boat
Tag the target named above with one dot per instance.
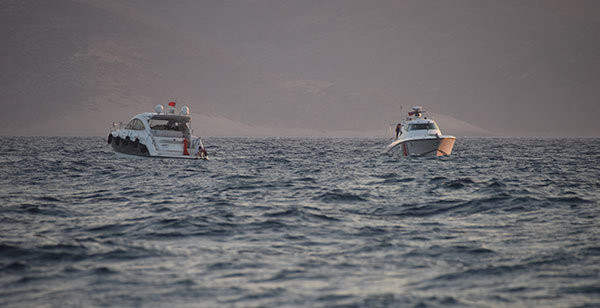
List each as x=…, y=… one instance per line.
x=199, y=149
x=398, y=130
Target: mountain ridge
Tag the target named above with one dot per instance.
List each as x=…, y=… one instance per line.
x=333, y=66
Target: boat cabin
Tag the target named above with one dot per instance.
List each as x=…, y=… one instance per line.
x=169, y=125
x=421, y=126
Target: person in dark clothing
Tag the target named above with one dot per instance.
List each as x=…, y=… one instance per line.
x=398, y=129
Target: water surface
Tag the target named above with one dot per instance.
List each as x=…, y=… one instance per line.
x=300, y=222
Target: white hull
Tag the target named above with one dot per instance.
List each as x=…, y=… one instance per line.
x=195, y=157
x=422, y=146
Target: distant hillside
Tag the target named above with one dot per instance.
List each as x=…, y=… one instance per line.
x=216, y=125
x=80, y=65
x=289, y=67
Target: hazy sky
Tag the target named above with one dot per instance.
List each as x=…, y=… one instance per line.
x=526, y=68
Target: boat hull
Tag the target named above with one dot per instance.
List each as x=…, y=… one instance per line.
x=422, y=147
x=134, y=156
x=127, y=148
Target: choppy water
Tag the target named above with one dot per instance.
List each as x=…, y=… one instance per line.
x=300, y=222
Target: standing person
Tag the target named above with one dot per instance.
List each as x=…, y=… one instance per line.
x=398, y=129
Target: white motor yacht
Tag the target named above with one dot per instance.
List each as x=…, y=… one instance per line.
x=157, y=134
x=419, y=136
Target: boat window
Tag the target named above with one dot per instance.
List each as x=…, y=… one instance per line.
x=135, y=124
x=138, y=125
x=171, y=125
x=422, y=126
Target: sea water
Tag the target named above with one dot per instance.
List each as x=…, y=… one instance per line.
x=312, y=222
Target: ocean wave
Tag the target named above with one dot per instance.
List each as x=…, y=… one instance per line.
x=339, y=196
x=501, y=222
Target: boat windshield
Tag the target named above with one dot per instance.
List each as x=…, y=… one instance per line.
x=422, y=126
x=169, y=125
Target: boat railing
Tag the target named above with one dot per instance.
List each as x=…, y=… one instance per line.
x=116, y=126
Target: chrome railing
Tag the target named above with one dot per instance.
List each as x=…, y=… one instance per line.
x=116, y=126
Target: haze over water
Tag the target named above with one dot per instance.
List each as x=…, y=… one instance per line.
x=300, y=222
